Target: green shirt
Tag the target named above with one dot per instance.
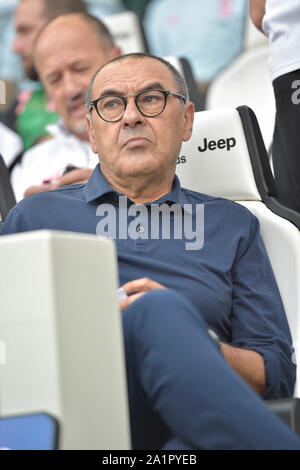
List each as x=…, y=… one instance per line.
x=33, y=119
x=138, y=6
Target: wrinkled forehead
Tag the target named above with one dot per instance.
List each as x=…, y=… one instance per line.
x=131, y=75
x=67, y=40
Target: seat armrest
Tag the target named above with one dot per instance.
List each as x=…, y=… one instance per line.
x=288, y=409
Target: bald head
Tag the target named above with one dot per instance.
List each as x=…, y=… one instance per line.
x=179, y=80
x=67, y=53
x=88, y=22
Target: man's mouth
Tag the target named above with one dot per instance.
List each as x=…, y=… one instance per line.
x=136, y=141
x=77, y=108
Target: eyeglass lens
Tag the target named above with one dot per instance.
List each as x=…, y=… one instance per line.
x=149, y=102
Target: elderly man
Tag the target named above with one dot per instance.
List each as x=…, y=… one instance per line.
x=67, y=53
x=187, y=388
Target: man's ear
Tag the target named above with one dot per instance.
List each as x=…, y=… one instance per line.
x=91, y=133
x=189, y=112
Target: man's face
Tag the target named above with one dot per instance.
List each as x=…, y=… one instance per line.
x=29, y=21
x=66, y=57
x=138, y=145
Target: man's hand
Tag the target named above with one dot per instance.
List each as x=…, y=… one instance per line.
x=135, y=289
x=248, y=364
x=41, y=188
x=80, y=175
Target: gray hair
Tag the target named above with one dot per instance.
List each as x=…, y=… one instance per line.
x=179, y=80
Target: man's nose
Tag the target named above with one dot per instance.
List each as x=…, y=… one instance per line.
x=132, y=116
x=16, y=45
x=71, y=86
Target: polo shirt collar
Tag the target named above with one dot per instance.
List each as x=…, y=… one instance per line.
x=97, y=186
x=175, y=196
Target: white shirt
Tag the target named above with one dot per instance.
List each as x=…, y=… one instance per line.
x=281, y=23
x=49, y=159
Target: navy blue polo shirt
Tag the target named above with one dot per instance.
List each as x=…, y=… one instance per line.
x=228, y=277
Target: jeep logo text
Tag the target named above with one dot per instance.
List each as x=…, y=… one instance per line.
x=220, y=144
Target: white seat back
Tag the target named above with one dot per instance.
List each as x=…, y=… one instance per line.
x=225, y=169
x=7, y=197
x=61, y=329
x=253, y=37
x=11, y=144
x=175, y=61
x=215, y=160
x=282, y=241
x=247, y=82
x=127, y=31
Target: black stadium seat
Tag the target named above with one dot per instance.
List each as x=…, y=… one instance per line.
x=7, y=197
x=183, y=66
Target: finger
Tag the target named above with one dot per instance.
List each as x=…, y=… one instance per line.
x=129, y=300
x=75, y=176
x=141, y=285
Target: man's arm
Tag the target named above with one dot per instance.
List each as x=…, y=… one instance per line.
x=258, y=321
x=76, y=176
x=257, y=11
x=248, y=364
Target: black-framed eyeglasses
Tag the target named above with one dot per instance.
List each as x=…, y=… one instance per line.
x=150, y=103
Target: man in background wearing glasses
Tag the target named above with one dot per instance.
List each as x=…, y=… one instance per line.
x=205, y=331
